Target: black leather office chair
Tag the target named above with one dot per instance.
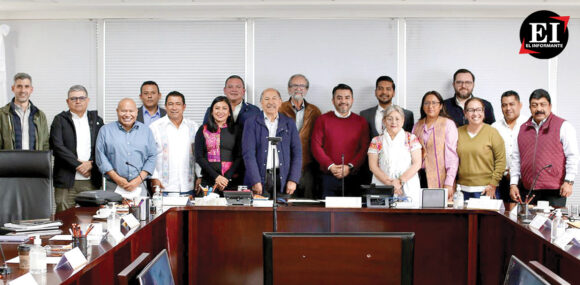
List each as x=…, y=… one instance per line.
x=25, y=185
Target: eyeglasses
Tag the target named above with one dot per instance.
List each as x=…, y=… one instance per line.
x=298, y=86
x=434, y=104
x=464, y=82
x=475, y=110
x=79, y=99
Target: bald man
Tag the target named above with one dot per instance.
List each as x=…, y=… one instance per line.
x=126, y=152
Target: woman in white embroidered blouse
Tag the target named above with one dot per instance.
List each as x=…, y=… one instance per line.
x=395, y=157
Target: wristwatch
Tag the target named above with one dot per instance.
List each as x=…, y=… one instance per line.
x=571, y=182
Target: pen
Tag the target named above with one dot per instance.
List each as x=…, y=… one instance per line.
x=92, y=226
x=141, y=202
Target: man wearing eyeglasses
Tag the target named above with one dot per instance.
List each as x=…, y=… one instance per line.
x=463, y=83
x=546, y=143
x=22, y=124
x=304, y=114
x=73, y=136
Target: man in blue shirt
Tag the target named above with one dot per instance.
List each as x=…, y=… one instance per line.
x=150, y=111
x=126, y=151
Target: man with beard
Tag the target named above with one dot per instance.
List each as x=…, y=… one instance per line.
x=340, y=141
x=385, y=92
x=463, y=83
x=22, y=124
x=126, y=152
x=545, y=143
x=304, y=114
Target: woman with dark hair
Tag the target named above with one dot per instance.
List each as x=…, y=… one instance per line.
x=438, y=136
x=481, y=153
x=218, y=147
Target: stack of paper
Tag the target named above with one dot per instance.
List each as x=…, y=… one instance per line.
x=32, y=227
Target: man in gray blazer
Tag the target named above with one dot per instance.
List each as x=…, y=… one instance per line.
x=150, y=111
x=384, y=91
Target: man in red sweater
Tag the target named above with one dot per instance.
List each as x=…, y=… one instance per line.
x=340, y=134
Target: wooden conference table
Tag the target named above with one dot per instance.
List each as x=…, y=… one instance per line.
x=223, y=245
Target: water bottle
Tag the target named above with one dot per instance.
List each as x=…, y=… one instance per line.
x=37, y=257
x=158, y=201
x=458, y=199
x=558, y=226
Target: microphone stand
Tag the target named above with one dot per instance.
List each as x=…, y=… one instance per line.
x=139, y=174
x=536, y=179
x=4, y=270
x=526, y=213
x=274, y=142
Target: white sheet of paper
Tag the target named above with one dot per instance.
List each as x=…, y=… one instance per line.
x=116, y=235
x=128, y=194
x=61, y=237
x=175, y=201
x=131, y=221
x=538, y=221
x=49, y=260
x=75, y=258
x=564, y=240
x=25, y=279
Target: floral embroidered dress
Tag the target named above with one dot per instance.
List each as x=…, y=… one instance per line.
x=395, y=159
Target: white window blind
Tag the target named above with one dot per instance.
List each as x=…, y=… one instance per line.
x=328, y=52
x=487, y=47
x=57, y=54
x=191, y=57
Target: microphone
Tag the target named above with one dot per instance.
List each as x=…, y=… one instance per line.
x=342, y=168
x=4, y=270
x=138, y=174
x=535, y=179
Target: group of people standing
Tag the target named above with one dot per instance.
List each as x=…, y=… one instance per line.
x=456, y=143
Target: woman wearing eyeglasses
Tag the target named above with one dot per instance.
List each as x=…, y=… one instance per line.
x=481, y=153
x=395, y=156
x=438, y=136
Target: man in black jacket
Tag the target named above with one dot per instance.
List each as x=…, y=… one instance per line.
x=463, y=83
x=73, y=136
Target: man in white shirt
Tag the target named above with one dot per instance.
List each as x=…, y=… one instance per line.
x=545, y=155
x=73, y=136
x=508, y=128
x=175, y=168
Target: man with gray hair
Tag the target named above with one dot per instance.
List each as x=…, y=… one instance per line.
x=305, y=114
x=262, y=159
x=73, y=136
x=22, y=124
